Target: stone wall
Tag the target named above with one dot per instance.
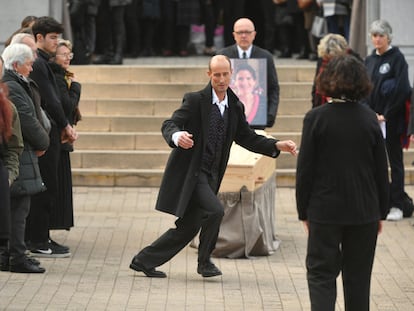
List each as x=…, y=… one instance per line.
x=13, y=11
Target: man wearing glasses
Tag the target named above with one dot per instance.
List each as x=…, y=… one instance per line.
x=244, y=34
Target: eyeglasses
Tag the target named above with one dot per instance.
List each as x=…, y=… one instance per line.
x=66, y=55
x=244, y=32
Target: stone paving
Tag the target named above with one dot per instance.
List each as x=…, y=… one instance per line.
x=112, y=224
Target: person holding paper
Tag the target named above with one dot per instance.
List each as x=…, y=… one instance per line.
x=388, y=71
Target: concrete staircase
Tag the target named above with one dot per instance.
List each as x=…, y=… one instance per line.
x=123, y=107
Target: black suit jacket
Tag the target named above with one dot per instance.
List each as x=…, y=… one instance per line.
x=272, y=80
x=184, y=165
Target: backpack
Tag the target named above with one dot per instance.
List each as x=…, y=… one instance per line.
x=408, y=206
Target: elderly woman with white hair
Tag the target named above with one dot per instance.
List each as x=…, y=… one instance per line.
x=388, y=71
x=18, y=60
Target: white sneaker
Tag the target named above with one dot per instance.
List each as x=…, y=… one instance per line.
x=395, y=214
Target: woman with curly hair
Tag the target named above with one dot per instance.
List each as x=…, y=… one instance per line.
x=341, y=186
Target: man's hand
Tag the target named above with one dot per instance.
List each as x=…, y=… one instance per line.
x=185, y=140
x=380, y=117
x=287, y=145
x=306, y=226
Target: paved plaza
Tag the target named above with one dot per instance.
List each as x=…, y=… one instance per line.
x=112, y=224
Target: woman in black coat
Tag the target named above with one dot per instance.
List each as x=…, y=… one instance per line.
x=69, y=92
x=341, y=186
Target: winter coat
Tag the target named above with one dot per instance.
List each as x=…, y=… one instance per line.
x=35, y=137
x=184, y=165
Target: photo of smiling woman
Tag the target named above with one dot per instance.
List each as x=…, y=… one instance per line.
x=250, y=92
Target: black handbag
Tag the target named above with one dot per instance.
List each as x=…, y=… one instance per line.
x=29, y=181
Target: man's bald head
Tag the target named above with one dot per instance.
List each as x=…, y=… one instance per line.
x=219, y=71
x=218, y=58
x=244, y=33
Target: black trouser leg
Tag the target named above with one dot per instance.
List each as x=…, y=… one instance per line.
x=37, y=227
x=205, y=211
x=20, y=206
x=336, y=248
x=358, y=250
x=395, y=157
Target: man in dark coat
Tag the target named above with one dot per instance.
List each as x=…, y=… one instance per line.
x=46, y=31
x=244, y=34
x=201, y=133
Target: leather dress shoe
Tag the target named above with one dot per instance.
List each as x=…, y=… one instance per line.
x=25, y=265
x=4, y=261
x=116, y=60
x=101, y=59
x=208, y=269
x=151, y=273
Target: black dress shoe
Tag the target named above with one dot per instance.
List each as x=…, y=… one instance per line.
x=33, y=260
x=4, y=261
x=101, y=59
x=151, y=273
x=25, y=265
x=116, y=60
x=208, y=269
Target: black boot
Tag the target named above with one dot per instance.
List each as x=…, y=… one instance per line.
x=25, y=265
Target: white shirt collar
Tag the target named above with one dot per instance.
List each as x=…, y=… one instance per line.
x=389, y=48
x=221, y=104
x=248, y=51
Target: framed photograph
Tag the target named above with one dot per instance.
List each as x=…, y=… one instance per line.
x=249, y=82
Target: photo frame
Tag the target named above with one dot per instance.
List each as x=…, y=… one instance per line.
x=249, y=82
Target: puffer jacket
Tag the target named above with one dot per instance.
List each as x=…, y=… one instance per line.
x=35, y=137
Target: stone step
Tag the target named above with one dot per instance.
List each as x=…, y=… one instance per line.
x=156, y=159
x=284, y=123
x=116, y=177
x=152, y=178
x=119, y=90
x=142, y=140
x=119, y=159
x=166, y=106
x=191, y=74
x=140, y=159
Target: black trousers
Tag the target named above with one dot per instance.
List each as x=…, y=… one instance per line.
x=20, y=207
x=4, y=203
x=340, y=248
x=395, y=158
x=38, y=221
x=205, y=211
